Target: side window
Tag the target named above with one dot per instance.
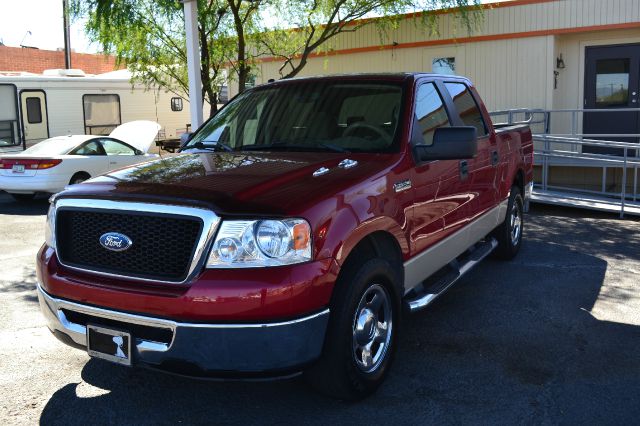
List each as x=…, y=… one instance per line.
x=34, y=111
x=430, y=112
x=467, y=107
x=88, y=148
x=112, y=147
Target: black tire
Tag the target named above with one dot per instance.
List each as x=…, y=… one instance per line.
x=341, y=372
x=79, y=178
x=509, y=233
x=23, y=197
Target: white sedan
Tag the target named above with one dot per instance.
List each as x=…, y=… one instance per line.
x=54, y=163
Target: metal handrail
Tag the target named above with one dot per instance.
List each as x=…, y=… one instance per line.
x=576, y=139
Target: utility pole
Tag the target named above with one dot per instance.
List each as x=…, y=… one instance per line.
x=193, y=61
x=67, y=42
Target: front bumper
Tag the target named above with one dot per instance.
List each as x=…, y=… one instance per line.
x=197, y=349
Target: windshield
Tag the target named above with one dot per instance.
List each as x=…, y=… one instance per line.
x=53, y=146
x=308, y=116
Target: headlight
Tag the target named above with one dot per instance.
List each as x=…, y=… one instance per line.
x=259, y=243
x=50, y=227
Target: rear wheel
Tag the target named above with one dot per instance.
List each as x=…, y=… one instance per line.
x=362, y=332
x=79, y=178
x=509, y=233
x=23, y=197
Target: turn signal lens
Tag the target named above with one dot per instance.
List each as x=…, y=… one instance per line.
x=301, y=236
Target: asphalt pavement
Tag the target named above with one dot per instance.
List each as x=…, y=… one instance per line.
x=552, y=337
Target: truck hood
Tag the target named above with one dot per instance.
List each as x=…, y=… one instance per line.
x=244, y=183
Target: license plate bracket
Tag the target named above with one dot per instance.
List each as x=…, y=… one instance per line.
x=109, y=344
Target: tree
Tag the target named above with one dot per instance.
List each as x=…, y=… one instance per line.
x=245, y=21
x=149, y=37
x=316, y=22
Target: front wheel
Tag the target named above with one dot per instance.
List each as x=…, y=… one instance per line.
x=509, y=233
x=362, y=332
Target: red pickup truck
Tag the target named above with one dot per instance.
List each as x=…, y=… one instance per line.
x=293, y=232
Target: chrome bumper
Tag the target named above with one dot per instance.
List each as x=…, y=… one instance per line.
x=199, y=349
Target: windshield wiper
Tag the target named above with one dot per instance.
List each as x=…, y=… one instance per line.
x=286, y=146
x=215, y=147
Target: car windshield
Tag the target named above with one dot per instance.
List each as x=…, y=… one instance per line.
x=307, y=116
x=53, y=146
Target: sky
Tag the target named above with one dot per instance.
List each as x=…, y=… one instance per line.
x=43, y=18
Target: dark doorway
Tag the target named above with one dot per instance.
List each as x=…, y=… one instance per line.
x=612, y=81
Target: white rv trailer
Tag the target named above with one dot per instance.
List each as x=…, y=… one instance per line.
x=34, y=107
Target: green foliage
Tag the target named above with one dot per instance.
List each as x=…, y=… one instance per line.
x=149, y=36
x=317, y=22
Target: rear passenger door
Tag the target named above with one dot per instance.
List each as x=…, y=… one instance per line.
x=481, y=170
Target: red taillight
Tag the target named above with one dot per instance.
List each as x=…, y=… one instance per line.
x=28, y=163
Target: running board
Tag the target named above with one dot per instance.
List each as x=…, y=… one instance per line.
x=432, y=287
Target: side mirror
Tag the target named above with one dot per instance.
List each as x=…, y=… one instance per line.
x=449, y=143
x=184, y=138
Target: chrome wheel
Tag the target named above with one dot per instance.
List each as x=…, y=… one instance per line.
x=516, y=223
x=372, y=327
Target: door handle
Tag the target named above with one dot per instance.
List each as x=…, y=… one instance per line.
x=464, y=170
x=113, y=162
x=495, y=158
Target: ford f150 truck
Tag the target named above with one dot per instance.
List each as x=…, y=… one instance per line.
x=293, y=232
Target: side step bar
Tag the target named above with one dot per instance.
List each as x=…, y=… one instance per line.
x=430, y=289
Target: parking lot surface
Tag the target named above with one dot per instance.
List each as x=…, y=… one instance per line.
x=551, y=337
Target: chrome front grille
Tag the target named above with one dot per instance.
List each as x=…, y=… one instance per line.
x=169, y=243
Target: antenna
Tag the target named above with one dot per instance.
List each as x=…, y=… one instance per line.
x=28, y=33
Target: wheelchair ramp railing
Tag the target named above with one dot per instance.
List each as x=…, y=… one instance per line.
x=566, y=173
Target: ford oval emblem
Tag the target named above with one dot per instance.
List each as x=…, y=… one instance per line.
x=115, y=241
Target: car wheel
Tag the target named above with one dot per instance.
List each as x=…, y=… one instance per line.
x=23, y=197
x=362, y=332
x=79, y=178
x=509, y=233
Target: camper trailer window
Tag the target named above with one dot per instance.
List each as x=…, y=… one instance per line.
x=101, y=113
x=34, y=111
x=176, y=104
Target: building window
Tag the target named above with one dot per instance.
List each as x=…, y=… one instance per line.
x=176, y=104
x=446, y=66
x=612, y=82
x=467, y=107
x=430, y=112
x=34, y=110
x=101, y=114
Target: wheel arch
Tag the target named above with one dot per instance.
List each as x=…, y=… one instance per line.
x=377, y=244
x=80, y=173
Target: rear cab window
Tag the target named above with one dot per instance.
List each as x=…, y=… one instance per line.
x=466, y=106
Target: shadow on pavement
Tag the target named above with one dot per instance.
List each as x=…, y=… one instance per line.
x=26, y=284
x=512, y=343
x=35, y=207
